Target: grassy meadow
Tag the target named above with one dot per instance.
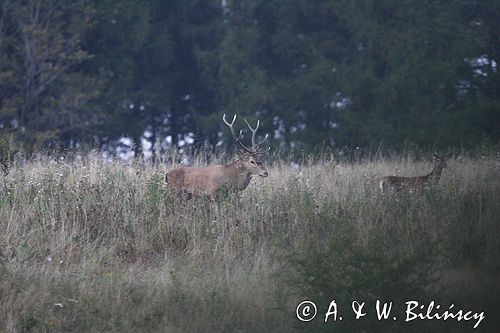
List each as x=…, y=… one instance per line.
x=88, y=245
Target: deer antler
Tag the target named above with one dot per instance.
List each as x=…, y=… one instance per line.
x=255, y=146
x=237, y=138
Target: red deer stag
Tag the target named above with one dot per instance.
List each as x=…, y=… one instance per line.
x=418, y=183
x=214, y=179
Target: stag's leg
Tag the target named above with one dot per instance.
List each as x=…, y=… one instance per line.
x=238, y=209
x=184, y=196
x=205, y=202
x=234, y=198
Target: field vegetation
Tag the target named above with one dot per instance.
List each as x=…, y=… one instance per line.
x=92, y=245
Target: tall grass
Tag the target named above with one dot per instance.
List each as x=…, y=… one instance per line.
x=91, y=245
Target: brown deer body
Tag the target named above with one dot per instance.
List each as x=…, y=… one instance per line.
x=212, y=180
x=398, y=184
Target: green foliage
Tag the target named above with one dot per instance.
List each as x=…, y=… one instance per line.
x=45, y=96
x=343, y=270
x=393, y=70
x=339, y=73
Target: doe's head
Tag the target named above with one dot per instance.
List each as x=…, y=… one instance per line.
x=439, y=161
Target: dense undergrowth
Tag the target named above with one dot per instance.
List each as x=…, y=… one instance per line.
x=89, y=245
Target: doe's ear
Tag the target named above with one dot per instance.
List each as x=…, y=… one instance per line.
x=436, y=156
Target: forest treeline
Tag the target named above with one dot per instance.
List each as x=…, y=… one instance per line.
x=317, y=73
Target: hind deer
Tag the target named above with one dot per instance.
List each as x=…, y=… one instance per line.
x=418, y=183
x=214, y=179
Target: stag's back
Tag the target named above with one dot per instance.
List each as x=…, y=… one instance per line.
x=206, y=180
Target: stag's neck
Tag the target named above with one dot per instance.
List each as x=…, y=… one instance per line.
x=238, y=175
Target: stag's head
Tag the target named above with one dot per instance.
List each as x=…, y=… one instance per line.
x=253, y=165
x=249, y=157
